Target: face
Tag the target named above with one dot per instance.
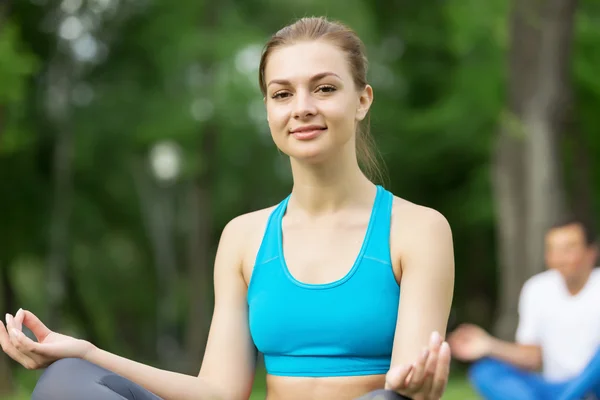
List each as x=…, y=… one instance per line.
x=313, y=105
x=567, y=251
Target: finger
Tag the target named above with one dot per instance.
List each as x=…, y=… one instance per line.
x=4, y=339
x=9, y=321
x=35, y=351
x=36, y=326
x=434, y=347
x=38, y=352
x=427, y=380
x=11, y=332
x=395, y=378
x=10, y=324
x=24, y=344
x=431, y=363
x=18, y=320
x=440, y=379
x=12, y=351
x=415, y=381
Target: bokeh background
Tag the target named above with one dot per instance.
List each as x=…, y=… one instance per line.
x=132, y=131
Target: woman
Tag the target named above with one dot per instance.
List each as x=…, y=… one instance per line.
x=314, y=282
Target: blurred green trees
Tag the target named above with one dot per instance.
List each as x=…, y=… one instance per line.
x=132, y=131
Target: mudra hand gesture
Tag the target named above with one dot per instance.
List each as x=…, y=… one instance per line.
x=50, y=346
x=427, y=377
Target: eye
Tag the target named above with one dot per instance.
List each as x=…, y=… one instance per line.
x=280, y=95
x=326, y=89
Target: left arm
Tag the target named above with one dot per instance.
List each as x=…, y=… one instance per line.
x=426, y=290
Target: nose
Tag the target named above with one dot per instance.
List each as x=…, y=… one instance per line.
x=304, y=105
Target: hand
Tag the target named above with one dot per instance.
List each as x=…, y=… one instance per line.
x=426, y=379
x=50, y=346
x=469, y=342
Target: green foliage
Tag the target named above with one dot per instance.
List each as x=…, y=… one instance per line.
x=186, y=72
x=17, y=64
x=587, y=89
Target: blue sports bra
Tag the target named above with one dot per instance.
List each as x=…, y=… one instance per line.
x=340, y=328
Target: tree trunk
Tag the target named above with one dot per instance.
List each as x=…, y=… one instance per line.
x=507, y=184
x=199, y=253
x=58, y=254
x=527, y=169
x=157, y=212
x=199, y=241
x=76, y=301
x=544, y=116
x=168, y=344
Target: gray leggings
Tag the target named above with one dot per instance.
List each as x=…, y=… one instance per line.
x=75, y=379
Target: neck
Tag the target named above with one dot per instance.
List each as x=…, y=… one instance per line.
x=321, y=188
x=576, y=284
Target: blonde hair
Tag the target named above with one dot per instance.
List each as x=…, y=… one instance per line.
x=319, y=28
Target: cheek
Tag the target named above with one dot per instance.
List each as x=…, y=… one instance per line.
x=277, y=117
x=341, y=114
x=574, y=259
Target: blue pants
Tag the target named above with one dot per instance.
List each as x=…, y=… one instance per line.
x=497, y=380
x=75, y=379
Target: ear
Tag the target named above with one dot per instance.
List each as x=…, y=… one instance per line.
x=364, y=102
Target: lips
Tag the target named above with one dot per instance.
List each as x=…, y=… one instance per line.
x=308, y=132
x=308, y=128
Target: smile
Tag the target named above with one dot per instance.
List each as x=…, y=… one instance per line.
x=308, y=132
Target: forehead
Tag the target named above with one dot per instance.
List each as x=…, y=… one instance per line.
x=302, y=60
x=565, y=234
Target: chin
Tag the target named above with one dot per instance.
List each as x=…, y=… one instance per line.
x=309, y=154
x=312, y=152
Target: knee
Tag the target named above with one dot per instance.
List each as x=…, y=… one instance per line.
x=65, y=364
x=125, y=388
x=59, y=377
x=63, y=369
x=485, y=370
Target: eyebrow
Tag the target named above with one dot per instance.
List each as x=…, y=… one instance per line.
x=313, y=79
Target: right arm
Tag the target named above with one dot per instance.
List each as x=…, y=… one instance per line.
x=470, y=343
x=524, y=356
x=165, y=384
x=227, y=372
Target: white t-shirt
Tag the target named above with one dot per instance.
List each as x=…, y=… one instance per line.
x=566, y=327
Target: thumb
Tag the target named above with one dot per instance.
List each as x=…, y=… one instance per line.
x=396, y=376
x=36, y=326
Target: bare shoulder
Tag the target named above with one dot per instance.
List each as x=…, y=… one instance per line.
x=408, y=218
x=245, y=224
x=243, y=235
x=417, y=232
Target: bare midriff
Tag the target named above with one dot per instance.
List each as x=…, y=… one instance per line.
x=338, y=388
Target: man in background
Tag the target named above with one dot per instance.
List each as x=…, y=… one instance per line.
x=558, y=332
